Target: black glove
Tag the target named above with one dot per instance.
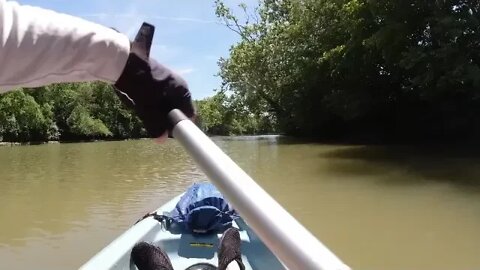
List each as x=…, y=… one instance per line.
x=151, y=89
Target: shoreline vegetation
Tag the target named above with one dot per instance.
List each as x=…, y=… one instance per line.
x=63, y=142
x=76, y=112
x=6, y=144
x=354, y=70
x=348, y=71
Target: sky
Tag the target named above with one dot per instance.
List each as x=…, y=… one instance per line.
x=189, y=38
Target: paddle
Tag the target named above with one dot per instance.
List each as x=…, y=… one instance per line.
x=294, y=245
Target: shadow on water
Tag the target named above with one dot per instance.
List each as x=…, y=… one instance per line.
x=455, y=165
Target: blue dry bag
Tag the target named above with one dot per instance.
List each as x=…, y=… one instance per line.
x=203, y=209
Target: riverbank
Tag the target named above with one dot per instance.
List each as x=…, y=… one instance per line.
x=71, y=141
x=286, y=139
x=241, y=137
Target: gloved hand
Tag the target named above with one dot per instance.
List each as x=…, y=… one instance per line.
x=151, y=89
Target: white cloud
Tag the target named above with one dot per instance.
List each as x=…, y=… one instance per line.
x=184, y=71
x=127, y=22
x=181, y=19
x=133, y=15
x=165, y=53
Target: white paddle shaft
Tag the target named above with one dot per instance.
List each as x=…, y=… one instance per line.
x=296, y=247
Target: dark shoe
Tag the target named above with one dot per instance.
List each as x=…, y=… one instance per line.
x=229, y=249
x=149, y=257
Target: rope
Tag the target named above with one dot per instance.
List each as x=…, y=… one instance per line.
x=165, y=221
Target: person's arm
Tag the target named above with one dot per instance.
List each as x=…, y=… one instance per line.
x=39, y=47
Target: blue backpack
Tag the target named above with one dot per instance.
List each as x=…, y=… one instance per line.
x=202, y=209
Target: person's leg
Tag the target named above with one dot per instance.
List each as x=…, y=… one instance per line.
x=229, y=255
x=149, y=257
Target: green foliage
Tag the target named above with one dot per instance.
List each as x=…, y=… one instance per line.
x=79, y=111
x=108, y=108
x=225, y=115
x=66, y=112
x=213, y=114
x=22, y=119
x=82, y=123
x=358, y=69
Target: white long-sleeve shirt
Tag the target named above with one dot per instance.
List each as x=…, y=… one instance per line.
x=39, y=47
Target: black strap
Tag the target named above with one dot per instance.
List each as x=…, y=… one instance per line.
x=162, y=219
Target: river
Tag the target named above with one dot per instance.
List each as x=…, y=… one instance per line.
x=376, y=207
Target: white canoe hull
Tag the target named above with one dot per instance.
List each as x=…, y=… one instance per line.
x=183, y=250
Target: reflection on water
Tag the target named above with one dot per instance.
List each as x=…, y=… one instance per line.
x=376, y=207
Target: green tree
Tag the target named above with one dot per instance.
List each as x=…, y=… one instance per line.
x=68, y=111
x=82, y=124
x=213, y=114
x=227, y=115
x=108, y=108
x=365, y=69
x=22, y=119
